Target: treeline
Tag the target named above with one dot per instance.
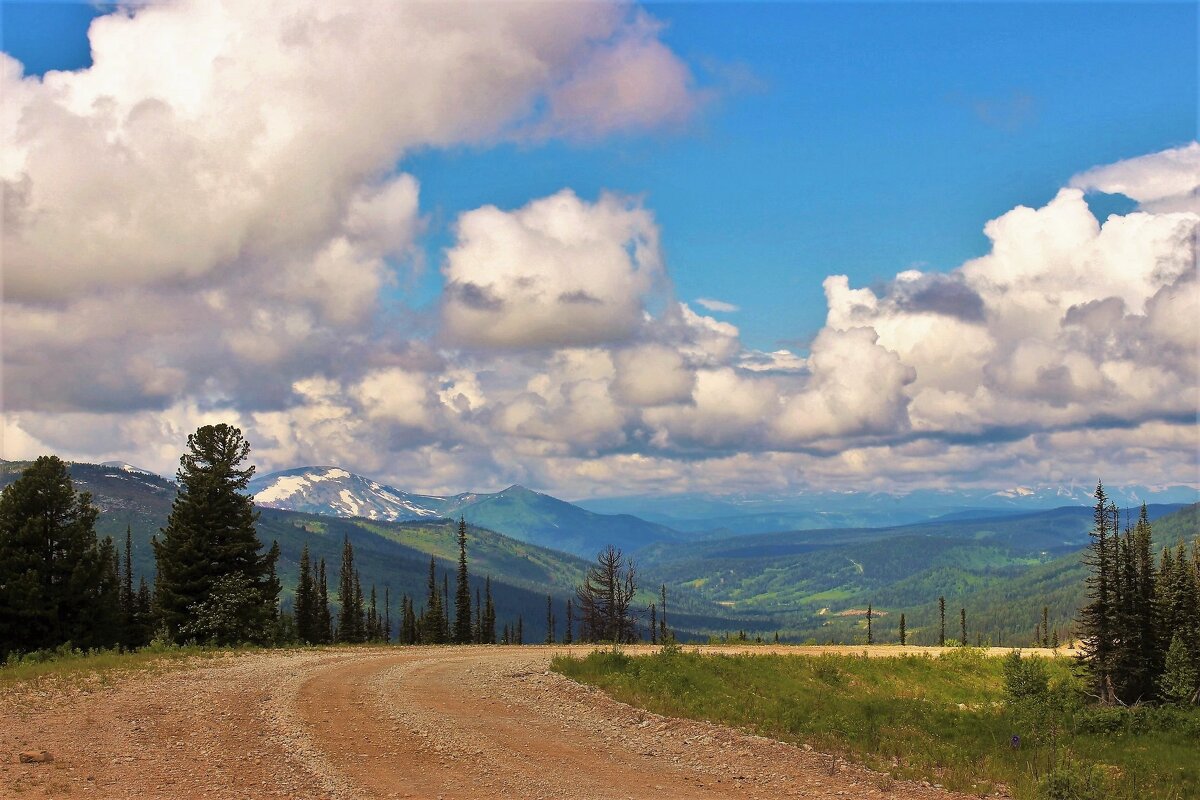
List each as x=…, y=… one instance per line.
x=1140, y=629
x=361, y=620
x=58, y=582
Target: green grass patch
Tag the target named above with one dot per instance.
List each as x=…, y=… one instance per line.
x=919, y=717
x=66, y=664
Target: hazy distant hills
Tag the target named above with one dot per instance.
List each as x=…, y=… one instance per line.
x=718, y=517
x=1003, y=569
x=518, y=512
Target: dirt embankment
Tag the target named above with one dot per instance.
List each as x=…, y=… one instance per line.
x=393, y=722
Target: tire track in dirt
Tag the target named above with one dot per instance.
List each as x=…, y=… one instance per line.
x=492, y=723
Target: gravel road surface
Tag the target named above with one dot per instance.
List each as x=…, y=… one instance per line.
x=446, y=722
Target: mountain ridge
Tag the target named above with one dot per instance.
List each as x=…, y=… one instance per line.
x=516, y=511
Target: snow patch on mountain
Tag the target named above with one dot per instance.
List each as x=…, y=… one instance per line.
x=282, y=489
x=332, y=490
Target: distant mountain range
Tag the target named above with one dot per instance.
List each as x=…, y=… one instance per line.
x=1003, y=566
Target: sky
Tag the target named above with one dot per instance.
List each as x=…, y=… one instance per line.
x=603, y=249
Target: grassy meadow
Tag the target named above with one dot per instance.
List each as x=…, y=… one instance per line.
x=941, y=719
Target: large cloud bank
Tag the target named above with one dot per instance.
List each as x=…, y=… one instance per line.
x=209, y=232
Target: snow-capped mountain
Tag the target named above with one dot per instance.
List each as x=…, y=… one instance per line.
x=516, y=511
x=332, y=490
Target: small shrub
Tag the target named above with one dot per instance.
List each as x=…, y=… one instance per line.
x=1103, y=720
x=1071, y=780
x=827, y=670
x=1026, y=680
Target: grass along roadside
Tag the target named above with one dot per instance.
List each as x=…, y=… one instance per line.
x=942, y=719
x=67, y=665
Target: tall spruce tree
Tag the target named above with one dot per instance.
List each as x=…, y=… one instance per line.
x=107, y=623
x=489, y=613
x=412, y=633
x=129, y=636
x=549, y=620
x=870, y=632
x=1096, y=617
x=569, y=633
x=903, y=631
x=462, y=590
x=447, y=629
x=432, y=627
x=360, y=610
x=348, y=617
x=942, y=621
x=325, y=626
x=477, y=627
x=662, y=621
x=273, y=589
x=308, y=622
x=962, y=619
x=374, y=623
x=387, y=614
x=214, y=582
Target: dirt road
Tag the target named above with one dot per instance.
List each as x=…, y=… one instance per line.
x=391, y=722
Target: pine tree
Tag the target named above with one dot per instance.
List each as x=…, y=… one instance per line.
x=870, y=633
x=549, y=620
x=1045, y=626
x=653, y=624
x=347, y=614
x=305, y=606
x=387, y=614
x=432, y=625
x=504, y=638
x=1179, y=682
x=209, y=539
x=107, y=621
x=962, y=619
x=568, y=634
x=1096, y=618
x=477, y=627
x=325, y=618
x=143, y=614
x=408, y=621
x=374, y=626
x=446, y=627
x=273, y=586
x=360, y=610
x=520, y=630
x=489, y=613
x=662, y=622
x=903, y=631
x=129, y=635
x=1146, y=642
x=604, y=597
x=462, y=597
x=942, y=621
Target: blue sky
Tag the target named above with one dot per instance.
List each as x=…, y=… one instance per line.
x=577, y=175
x=854, y=138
